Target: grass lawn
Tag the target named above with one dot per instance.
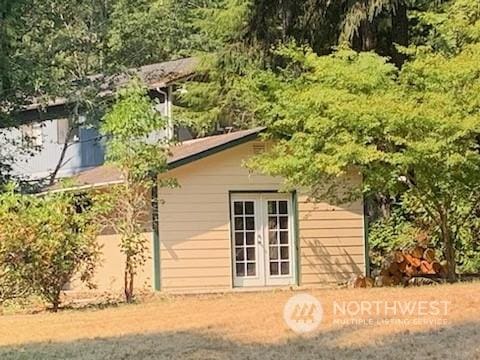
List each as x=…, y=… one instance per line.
x=251, y=326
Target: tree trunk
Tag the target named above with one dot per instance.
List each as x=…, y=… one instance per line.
x=367, y=36
x=130, y=284
x=399, y=33
x=385, y=204
x=128, y=281
x=449, y=250
x=56, y=302
x=66, y=145
x=126, y=288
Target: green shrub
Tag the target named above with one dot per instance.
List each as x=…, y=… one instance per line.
x=44, y=242
x=389, y=234
x=404, y=229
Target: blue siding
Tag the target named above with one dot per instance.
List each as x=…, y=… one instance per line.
x=87, y=152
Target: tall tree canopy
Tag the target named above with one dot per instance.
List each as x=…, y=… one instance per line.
x=242, y=34
x=49, y=49
x=405, y=115
x=412, y=134
x=388, y=88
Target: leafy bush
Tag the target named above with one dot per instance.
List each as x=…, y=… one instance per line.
x=44, y=242
x=407, y=228
x=468, y=246
x=389, y=234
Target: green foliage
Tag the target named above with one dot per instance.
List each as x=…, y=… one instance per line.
x=45, y=242
x=129, y=126
x=468, y=256
x=405, y=228
x=386, y=235
x=54, y=47
x=149, y=31
x=223, y=99
x=449, y=27
x=50, y=48
x=239, y=47
x=214, y=97
x=323, y=25
x=62, y=42
x=330, y=112
x=413, y=132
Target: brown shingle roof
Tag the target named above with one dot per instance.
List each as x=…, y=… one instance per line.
x=190, y=150
x=154, y=76
x=181, y=154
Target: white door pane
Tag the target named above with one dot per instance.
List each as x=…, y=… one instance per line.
x=262, y=240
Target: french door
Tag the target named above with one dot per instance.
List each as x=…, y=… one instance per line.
x=262, y=240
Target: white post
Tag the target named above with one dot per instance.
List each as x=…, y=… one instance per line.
x=169, y=113
x=167, y=106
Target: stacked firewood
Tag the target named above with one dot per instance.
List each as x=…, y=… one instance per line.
x=416, y=266
x=402, y=266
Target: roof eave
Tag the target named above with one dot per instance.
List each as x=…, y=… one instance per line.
x=211, y=151
x=82, y=187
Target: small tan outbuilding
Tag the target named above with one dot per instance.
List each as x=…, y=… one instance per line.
x=226, y=228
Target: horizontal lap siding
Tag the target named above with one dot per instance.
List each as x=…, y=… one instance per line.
x=331, y=242
x=195, y=220
x=195, y=227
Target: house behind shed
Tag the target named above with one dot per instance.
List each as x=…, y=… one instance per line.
x=227, y=228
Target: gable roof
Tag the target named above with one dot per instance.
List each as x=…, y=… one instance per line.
x=181, y=154
x=192, y=150
x=153, y=75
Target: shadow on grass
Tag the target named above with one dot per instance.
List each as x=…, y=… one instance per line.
x=455, y=342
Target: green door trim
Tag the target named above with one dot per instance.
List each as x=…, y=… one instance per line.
x=156, y=238
x=366, y=246
x=296, y=231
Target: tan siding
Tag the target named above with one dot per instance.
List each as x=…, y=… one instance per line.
x=320, y=242
x=195, y=227
x=109, y=273
x=307, y=207
x=331, y=242
x=192, y=215
x=188, y=210
x=198, y=245
x=191, y=285
x=328, y=278
x=195, y=220
x=198, y=272
x=172, y=237
x=332, y=260
x=169, y=263
x=188, y=254
x=339, y=233
x=309, y=251
x=330, y=224
x=327, y=215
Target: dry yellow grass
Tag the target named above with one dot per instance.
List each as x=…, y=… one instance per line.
x=246, y=326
